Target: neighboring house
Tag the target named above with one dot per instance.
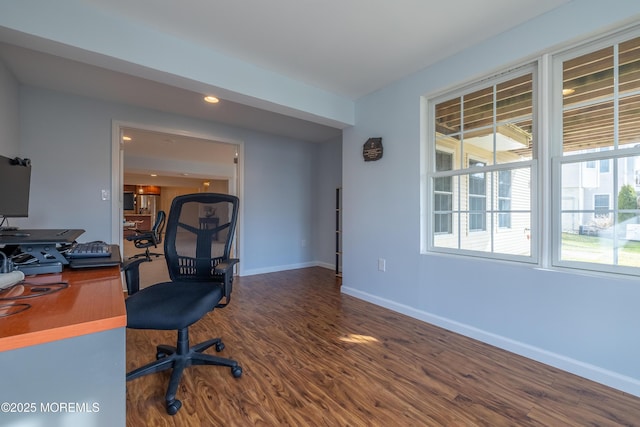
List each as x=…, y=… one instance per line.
x=488, y=204
x=589, y=192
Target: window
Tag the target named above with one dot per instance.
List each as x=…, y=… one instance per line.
x=443, y=195
x=482, y=157
x=601, y=205
x=600, y=122
x=504, y=199
x=477, y=198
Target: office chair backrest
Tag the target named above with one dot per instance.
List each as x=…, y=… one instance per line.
x=158, y=226
x=192, y=250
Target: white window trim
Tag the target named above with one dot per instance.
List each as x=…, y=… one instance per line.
x=510, y=198
x=428, y=165
x=486, y=195
x=453, y=192
x=546, y=203
x=557, y=158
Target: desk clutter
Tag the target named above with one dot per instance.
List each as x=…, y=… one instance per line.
x=36, y=252
x=89, y=250
x=12, y=297
x=41, y=251
x=32, y=252
x=9, y=279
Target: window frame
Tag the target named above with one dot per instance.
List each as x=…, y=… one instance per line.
x=545, y=165
x=472, y=196
x=558, y=159
x=504, y=216
x=450, y=194
x=598, y=209
x=428, y=236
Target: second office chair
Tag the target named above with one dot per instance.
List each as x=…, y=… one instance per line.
x=144, y=239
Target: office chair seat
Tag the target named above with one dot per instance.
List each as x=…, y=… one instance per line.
x=160, y=307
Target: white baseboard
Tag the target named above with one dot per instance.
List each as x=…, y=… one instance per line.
x=326, y=265
x=274, y=269
x=585, y=370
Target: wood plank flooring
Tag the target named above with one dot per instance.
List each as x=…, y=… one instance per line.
x=315, y=357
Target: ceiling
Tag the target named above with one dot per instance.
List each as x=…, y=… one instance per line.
x=190, y=159
x=349, y=48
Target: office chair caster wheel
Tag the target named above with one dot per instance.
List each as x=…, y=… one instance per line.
x=236, y=371
x=219, y=347
x=173, y=407
x=160, y=355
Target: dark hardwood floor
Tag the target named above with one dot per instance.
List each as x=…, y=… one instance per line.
x=315, y=357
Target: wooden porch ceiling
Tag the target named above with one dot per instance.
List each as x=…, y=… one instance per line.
x=588, y=102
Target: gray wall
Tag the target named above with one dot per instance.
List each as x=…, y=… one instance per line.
x=583, y=323
x=327, y=177
x=68, y=139
x=9, y=135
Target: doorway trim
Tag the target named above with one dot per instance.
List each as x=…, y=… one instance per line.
x=117, y=175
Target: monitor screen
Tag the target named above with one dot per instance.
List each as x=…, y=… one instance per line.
x=128, y=201
x=15, y=179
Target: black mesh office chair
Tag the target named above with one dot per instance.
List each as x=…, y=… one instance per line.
x=144, y=239
x=201, y=273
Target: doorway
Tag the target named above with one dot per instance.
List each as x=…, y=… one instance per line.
x=175, y=162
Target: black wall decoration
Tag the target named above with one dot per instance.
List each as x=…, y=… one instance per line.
x=372, y=149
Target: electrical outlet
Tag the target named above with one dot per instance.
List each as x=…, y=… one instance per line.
x=106, y=195
x=382, y=264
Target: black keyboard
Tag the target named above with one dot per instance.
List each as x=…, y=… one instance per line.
x=89, y=250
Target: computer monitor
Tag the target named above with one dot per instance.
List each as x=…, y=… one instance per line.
x=15, y=181
x=128, y=201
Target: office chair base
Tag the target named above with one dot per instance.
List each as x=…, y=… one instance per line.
x=146, y=255
x=166, y=350
x=180, y=357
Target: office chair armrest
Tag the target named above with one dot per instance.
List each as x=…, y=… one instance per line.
x=224, y=267
x=131, y=270
x=135, y=236
x=139, y=234
x=226, y=270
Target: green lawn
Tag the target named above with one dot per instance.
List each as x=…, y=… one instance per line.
x=600, y=250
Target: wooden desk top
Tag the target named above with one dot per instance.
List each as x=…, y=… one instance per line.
x=92, y=302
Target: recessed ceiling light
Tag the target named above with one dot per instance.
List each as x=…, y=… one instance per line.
x=126, y=138
x=154, y=174
x=211, y=99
